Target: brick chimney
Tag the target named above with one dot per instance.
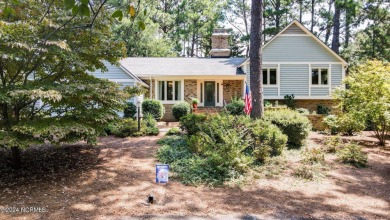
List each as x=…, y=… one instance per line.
x=220, y=44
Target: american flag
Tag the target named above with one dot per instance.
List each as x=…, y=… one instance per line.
x=247, y=100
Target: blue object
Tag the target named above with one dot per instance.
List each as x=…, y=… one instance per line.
x=162, y=171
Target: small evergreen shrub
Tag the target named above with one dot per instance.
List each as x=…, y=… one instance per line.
x=152, y=131
x=348, y=124
x=289, y=100
x=191, y=123
x=125, y=128
x=333, y=144
x=130, y=110
x=267, y=103
x=323, y=110
x=149, y=121
x=181, y=109
x=292, y=124
x=331, y=124
x=303, y=111
x=174, y=131
x=268, y=140
x=352, y=153
x=154, y=107
x=236, y=107
x=313, y=155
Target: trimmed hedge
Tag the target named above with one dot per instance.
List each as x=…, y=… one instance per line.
x=130, y=110
x=292, y=123
x=181, y=109
x=153, y=107
x=236, y=107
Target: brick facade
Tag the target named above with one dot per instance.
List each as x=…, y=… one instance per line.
x=168, y=116
x=232, y=89
x=190, y=89
x=311, y=104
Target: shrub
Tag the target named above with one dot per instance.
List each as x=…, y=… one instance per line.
x=352, y=154
x=267, y=104
x=309, y=172
x=292, y=124
x=331, y=124
x=149, y=121
x=289, y=100
x=125, y=127
x=323, y=110
x=313, y=155
x=154, y=107
x=191, y=123
x=349, y=123
x=236, y=107
x=268, y=140
x=181, y=109
x=130, y=110
x=303, y=111
x=152, y=131
x=174, y=131
x=332, y=144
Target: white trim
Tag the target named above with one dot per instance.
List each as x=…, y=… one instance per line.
x=310, y=80
x=319, y=77
x=301, y=62
x=202, y=99
x=278, y=72
x=330, y=79
x=165, y=101
x=196, y=77
x=133, y=76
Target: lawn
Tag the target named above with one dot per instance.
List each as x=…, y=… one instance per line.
x=113, y=180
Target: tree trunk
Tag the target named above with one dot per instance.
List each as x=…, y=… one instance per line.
x=278, y=16
x=246, y=25
x=347, y=28
x=256, y=76
x=312, y=16
x=16, y=158
x=300, y=10
x=336, y=28
x=328, y=25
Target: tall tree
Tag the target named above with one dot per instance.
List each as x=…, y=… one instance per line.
x=256, y=76
x=336, y=27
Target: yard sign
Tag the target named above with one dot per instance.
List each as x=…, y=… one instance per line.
x=162, y=171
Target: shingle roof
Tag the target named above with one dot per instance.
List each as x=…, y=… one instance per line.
x=150, y=66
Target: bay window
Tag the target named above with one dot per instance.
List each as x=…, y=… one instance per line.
x=169, y=90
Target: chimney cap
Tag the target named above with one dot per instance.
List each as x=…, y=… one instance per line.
x=220, y=31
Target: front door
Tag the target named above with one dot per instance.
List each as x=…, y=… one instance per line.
x=209, y=93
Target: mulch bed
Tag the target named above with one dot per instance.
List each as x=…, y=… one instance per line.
x=113, y=180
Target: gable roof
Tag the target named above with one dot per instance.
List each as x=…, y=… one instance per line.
x=180, y=66
x=296, y=28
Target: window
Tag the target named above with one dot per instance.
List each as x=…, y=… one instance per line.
x=270, y=77
x=319, y=76
x=169, y=90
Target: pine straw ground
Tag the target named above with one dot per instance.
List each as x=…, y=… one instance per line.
x=113, y=180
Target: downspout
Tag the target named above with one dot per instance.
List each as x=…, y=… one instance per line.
x=150, y=88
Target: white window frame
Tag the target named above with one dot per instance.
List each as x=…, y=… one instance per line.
x=268, y=77
x=319, y=77
x=165, y=81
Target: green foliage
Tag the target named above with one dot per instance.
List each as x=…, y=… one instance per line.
x=323, y=110
x=331, y=124
x=289, y=100
x=191, y=123
x=267, y=103
x=268, y=140
x=292, y=124
x=221, y=147
x=350, y=123
x=194, y=101
x=124, y=128
x=130, y=110
x=149, y=121
x=303, y=111
x=181, y=109
x=153, y=107
x=152, y=131
x=352, y=154
x=333, y=144
x=236, y=107
x=368, y=96
x=174, y=131
x=313, y=155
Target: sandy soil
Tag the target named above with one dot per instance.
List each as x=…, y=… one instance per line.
x=113, y=180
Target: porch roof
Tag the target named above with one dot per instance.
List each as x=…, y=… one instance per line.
x=179, y=66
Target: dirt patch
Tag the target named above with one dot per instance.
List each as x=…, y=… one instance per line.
x=113, y=180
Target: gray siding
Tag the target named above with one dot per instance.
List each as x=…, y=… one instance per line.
x=337, y=75
x=294, y=79
x=319, y=91
x=114, y=72
x=293, y=29
x=296, y=48
x=270, y=91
